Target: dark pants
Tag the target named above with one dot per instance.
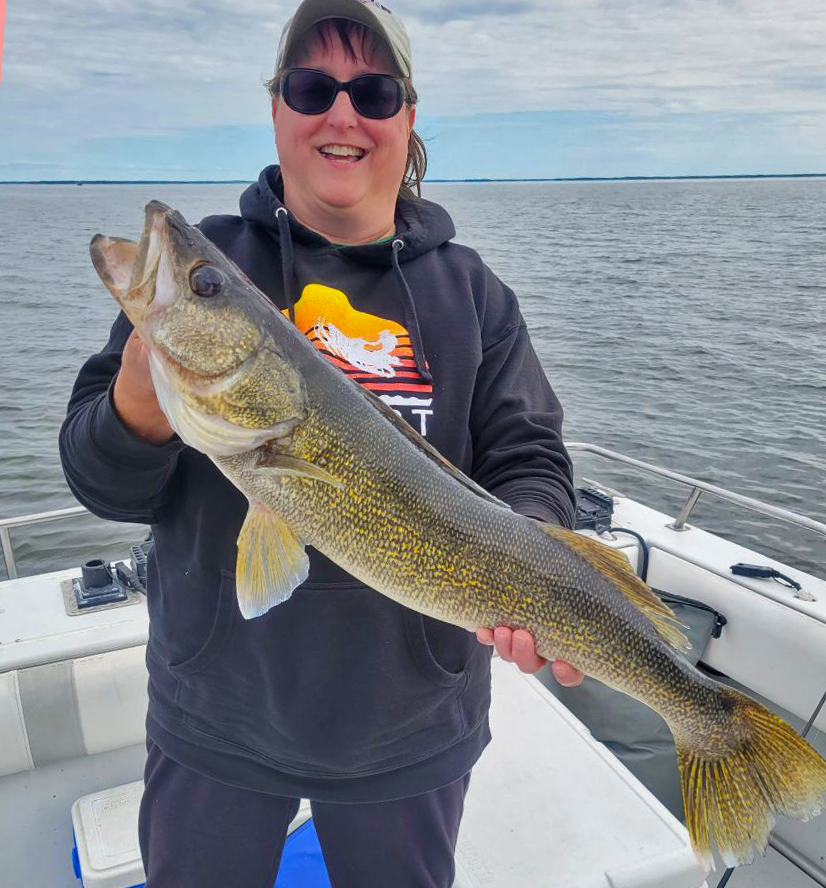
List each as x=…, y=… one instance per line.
x=198, y=833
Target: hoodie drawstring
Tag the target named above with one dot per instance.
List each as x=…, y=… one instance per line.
x=410, y=317
x=287, y=260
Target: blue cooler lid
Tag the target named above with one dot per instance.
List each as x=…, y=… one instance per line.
x=302, y=863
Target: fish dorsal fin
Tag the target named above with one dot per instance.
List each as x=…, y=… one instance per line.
x=271, y=562
x=616, y=567
x=428, y=449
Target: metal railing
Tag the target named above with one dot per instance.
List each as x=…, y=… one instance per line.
x=6, y=524
x=679, y=524
x=699, y=487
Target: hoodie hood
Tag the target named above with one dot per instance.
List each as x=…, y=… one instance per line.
x=420, y=224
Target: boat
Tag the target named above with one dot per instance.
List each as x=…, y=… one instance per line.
x=568, y=813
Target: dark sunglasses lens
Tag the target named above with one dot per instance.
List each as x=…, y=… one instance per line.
x=376, y=95
x=308, y=92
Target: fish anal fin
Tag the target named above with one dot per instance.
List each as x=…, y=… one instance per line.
x=271, y=562
x=616, y=567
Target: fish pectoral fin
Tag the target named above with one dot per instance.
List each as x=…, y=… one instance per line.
x=282, y=464
x=616, y=567
x=271, y=562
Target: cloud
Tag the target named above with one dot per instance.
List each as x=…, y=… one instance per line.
x=469, y=10
x=75, y=70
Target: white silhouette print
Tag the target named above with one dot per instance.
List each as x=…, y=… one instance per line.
x=371, y=357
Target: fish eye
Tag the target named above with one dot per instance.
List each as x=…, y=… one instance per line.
x=206, y=280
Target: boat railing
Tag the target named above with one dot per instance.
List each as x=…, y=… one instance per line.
x=6, y=525
x=697, y=488
x=679, y=524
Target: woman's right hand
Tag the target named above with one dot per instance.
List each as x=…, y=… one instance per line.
x=134, y=395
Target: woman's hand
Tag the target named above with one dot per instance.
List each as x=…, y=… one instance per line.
x=518, y=647
x=134, y=395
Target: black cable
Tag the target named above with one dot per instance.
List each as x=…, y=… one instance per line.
x=643, y=547
x=764, y=572
x=814, y=716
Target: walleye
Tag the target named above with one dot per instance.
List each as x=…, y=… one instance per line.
x=325, y=463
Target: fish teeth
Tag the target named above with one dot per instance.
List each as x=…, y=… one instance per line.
x=342, y=150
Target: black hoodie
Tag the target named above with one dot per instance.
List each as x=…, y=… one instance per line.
x=339, y=694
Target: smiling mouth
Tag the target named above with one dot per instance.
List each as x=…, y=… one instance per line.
x=348, y=154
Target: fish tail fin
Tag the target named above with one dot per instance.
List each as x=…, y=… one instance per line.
x=733, y=794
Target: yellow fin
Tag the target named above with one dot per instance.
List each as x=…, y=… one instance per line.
x=733, y=796
x=271, y=562
x=616, y=567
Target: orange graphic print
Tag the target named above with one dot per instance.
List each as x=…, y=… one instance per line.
x=374, y=351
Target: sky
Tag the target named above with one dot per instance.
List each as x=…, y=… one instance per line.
x=172, y=89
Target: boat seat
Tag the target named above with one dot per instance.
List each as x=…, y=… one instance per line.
x=98, y=703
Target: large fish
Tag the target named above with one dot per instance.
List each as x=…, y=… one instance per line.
x=325, y=463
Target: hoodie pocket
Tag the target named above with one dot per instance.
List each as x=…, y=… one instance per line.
x=422, y=653
x=219, y=632
x=337, y=681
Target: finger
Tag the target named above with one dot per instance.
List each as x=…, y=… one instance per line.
x=568, y=676
x=133, y=345
x=524, y=652
x=484, y=635
x=502, y=639
x=134, y=352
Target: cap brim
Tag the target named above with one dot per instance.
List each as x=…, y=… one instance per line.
x=311, y=12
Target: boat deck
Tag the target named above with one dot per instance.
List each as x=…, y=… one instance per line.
x=561, y=830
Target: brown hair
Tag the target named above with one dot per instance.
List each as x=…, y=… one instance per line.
x=352, y=35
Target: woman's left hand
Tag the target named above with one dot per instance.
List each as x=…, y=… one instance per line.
x=518, y=647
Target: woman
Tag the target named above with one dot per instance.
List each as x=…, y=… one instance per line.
x=375, y=713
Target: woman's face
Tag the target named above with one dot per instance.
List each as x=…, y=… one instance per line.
x=318, y=182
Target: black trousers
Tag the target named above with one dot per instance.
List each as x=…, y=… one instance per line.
x=198, y=833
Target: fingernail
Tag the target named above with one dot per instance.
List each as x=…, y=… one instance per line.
x=519, y=643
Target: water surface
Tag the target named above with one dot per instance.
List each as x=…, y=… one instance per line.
x=680, y=322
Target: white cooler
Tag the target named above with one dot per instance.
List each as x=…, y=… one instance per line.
x=548, y=807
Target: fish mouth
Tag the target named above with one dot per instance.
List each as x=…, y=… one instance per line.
x=155, y=261
x=154, y=238
x=129, y=270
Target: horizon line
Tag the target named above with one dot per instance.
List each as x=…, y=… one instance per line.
x=427, y=181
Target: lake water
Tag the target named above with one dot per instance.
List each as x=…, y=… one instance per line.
x=681, y=323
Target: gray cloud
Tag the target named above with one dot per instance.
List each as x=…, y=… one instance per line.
x=470, y=10
x=77, y=69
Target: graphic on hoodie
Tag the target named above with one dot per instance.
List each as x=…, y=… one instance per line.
x=374, y=351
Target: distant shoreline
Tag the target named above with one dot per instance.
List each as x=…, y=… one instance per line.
x=427, y=181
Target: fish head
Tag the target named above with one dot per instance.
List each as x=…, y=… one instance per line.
x=178, y=290
x=221, y=377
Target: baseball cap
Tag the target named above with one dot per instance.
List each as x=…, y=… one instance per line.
x=367, y=12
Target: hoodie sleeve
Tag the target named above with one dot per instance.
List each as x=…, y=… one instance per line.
x=110, y=470
x=516, y=420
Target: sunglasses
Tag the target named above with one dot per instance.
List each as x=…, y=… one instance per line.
x=377, y=96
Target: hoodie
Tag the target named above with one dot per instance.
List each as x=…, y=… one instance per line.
x=339, y=694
